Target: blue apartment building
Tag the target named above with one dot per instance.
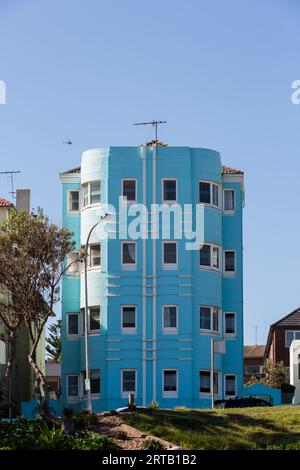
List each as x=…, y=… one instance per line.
x=153, y=305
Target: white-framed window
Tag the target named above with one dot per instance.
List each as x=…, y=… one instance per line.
x=129, y=190
x=94, y=382
x=73, y=387
x=91, y=193
x=290, y=336
x=73, y=262
x=94, y=314
x=253, y=370
x=170, y=318
x=209, y=319
x=169, y=190
x=229, y=262
x=128, y=382
x=128, y=255
x=170, y=383
x=169, y=254
x=209, y=256
x=209, y=193
x=73, y=324
x=73, y=200
x=229, y=323
x=205, y=382
x=230, y=385
x=229, y=201
x=94, y=255
x=128, y=318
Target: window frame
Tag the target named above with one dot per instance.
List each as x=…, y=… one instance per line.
x=88, y=185
x=229, y=273
x=82, y=326
x=124, y=394
x=169, y=201
x=165, y=329
x=211, y=330
x=73, y=335
x=71, y=270
x=228, y=374
x=129, y=330
x=82, y=385
x=129, y=266
x=169, y=265
x=211, y=267
x=285, y=337
x=168, y=393
x=71, y=211
x=229, y=211
x=253, y=373
x=122, y=190
x=211, y=184
x=73, y=397
x=230, y=335
x=208, y=394
x=89, y=258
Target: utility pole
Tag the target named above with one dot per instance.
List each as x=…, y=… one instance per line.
x=152, y=123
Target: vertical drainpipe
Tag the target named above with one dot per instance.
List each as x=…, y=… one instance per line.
x=154, y=270
x=144, y=280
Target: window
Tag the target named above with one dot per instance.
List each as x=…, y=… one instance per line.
x=170, y=386
x=94, y=313
x=229, y=328
x=210, y=256
x=94, y=382
x=73, y=203
x=205, y=378
x=72, y=386
x=253, y=370
x=129, y=254
x=169, y=190
x=290, y=336
x=73, y=262
x=229, y=200
x=129, y=189
x=230, y=385
x=169, y=254
x=170, y=318
x=229, y=261
x=210, y=319
x=209, y=193
x=91, y=193
x=299, y=366
x=73, y=324
x=128, y=380
x=94, y=255
x=129, y=317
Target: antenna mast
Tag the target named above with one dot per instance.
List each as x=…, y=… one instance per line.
x=153, y=123
x=10, y=176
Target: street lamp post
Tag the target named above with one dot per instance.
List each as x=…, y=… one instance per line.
x=87, y=320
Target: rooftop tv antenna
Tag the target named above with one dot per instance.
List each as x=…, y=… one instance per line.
x=10, y=176
x=153, y=123
x=255, y=328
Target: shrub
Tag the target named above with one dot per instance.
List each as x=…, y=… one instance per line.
x=153, y=444
x=83, y=419
x=153, y=405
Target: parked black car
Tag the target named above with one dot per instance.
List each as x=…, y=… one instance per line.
x=242, y=402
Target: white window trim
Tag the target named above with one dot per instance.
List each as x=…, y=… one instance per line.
x=169, y=330
x=125, y=330
x=70, y=335
x=94, y=268
x=229, y=273
x=91, y=332
x=230, y=396
x=170, y=266
x=229, y=335
x=211, y=183
x=208, y=395
x=210, y=331
x=129, y=266
x=69, y=210
x=227, y=211
x=81, y=384
x=96, y=204
x=125, y=394
x=73, y=398
x=77, y=271
x=169, y=394
x=211, y=267
x=126, y=202
x=285, y=336
x=167, y=201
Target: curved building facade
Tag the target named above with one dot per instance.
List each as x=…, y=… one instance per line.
x=154, y=305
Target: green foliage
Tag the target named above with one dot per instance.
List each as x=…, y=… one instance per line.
x=153, y=405
x=274, y=375
x=53, y=346
x=84, y=419
x=153, y=444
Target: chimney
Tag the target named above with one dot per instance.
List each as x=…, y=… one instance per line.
x=23, y=200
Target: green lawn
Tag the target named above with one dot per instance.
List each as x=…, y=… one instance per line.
x=248, y=428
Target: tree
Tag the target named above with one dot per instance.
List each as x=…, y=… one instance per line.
x=32, y=253
x=274, y=375
x=53, y=347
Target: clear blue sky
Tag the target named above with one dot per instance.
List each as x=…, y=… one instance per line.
x=219, y=72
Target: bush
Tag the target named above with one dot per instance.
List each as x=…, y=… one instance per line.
x=153, y=405
x=83, y=419
x=153, y=444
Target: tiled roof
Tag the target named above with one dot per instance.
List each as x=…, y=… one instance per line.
x=72, y=170
x=226, y=170
x=256, y=350
x=5, y=203
x=291, y=320
x=155, y=143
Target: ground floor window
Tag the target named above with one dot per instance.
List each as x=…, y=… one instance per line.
x=73, y=387
x=128, y=381
x=230, y=385
x=94, y=382
x=205, y=379
x=170, y=383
